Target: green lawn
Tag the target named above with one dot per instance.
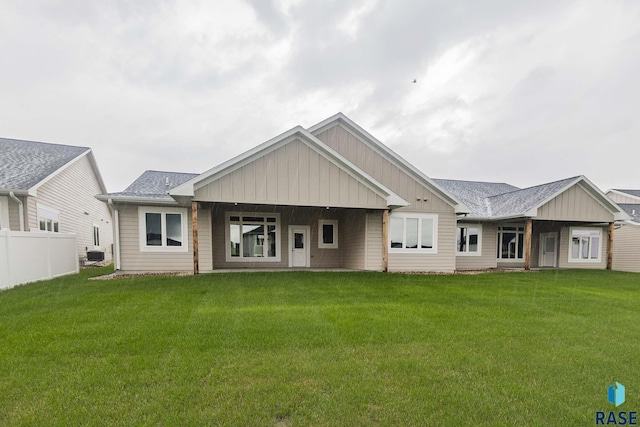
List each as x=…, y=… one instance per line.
x=298, y=348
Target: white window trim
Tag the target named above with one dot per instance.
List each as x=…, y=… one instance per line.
x=96, y=226
x=420, y=217
x=142, y=228
x=4, y=212
x=227, y=237
x=499, y=242
x=321, y=244
x=47, y=213
x=467, y=252
x=588, y=260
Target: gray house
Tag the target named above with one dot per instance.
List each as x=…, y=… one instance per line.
x=333, y=196
x=627, y=248
x=51, y=188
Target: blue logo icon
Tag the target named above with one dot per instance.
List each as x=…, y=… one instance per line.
x=616, y=394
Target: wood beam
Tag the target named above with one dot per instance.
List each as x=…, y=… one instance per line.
x=610, y=248
x=385, y=240
x=528, y=226
x=194, y=225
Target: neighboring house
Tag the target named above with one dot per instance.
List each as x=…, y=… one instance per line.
x=333, y=196
x=626, y=250
x=51, y=188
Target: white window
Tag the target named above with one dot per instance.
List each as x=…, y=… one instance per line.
x=252, y=237
x=511, y=242
x=469, y=239
x=48, y=219
x=585, y=244
x=163, y=229
x=96, y=235
x=328, y=234
x=413, y=233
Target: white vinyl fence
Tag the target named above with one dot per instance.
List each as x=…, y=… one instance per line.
x=27, y=257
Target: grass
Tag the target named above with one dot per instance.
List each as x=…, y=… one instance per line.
x=297, y=348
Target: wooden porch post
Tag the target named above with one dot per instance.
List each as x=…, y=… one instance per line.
x=194, y=225
x=610, y=248
x=528, y=225
x=385, y=240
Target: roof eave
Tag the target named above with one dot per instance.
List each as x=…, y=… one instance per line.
x=136, y=200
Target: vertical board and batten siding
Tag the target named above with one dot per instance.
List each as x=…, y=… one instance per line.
x=574, y=204
x=72, y=193
x=133, y=259
x=397, y=180
x=374, y=241
x=621, y=198
x=293, y=174
x=626, y=248
x=563, y=256
x=487, y=257
x=305, y=216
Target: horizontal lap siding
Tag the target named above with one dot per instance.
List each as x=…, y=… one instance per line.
x=14, y=214
x=443, y=261
x=353, y=245
x=293, y=174
x=564, y=251
x=72, y=193
x=374, y=241
x=421, y=199
x=320, y=258
x=574, y=204
x=626, y=248
x=132, y=259
x=620, y=198
x=487, y=259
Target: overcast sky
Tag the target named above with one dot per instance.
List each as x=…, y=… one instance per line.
x=522, y=92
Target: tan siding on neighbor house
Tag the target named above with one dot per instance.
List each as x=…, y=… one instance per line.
x=14, y=214
x=621, y=198
x=293, y=174
x=72, y=193
x=443, y=261
x=375, y=164
x=132, y=259
x=487, y=257
x=563, y=256
x=374, y=241
x=574, y=204
x=626, y=248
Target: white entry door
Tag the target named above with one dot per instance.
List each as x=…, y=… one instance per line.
x=548, y=249
x=299, y=255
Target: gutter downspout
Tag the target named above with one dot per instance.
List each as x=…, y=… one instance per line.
x=20, y=209
x=116, y=226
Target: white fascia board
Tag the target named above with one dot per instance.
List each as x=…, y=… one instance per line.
x=33, y=191
x=188, y=188
x=361, y=176
x=391, y=156
x=136, y=200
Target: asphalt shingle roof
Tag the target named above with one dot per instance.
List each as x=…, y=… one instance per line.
x=474, y=194
x=154, y=185
x=23, y=164
x=632, y=209
x=496, y=200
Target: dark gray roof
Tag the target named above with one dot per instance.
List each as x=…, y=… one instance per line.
x=635, y=193
x=23, y=164
x=497, y=200
x=154, y=185
x=475, y=194
x=632, y=209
